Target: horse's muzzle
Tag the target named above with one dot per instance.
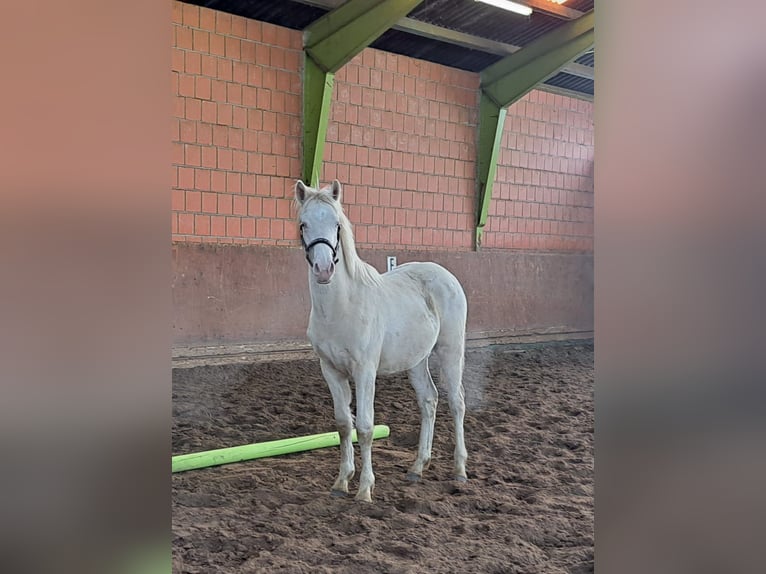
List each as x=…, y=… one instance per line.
x=323, y=276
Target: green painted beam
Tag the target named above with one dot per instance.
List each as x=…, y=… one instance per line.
x=341, y=34
x=317, y=98
x=508, y=80
x=491, y=123
x=329, y=43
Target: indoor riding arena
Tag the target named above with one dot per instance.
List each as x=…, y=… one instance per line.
x=461, y=133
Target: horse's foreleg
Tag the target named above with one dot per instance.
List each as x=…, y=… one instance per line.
x=341, y=397
x=428, y=396
x=365, y=416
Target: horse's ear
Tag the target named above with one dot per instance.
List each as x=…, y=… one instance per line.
x=336, y=190
x=300, y=191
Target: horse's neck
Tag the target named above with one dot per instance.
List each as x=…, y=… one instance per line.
x=330, y=301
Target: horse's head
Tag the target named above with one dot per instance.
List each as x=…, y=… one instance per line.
x=319, y=219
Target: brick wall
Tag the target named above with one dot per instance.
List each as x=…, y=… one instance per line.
x=402, y=140
x=236, y=128
x=403, y=136
x=543, y=195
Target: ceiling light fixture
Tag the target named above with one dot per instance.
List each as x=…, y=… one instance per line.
x=510, y=6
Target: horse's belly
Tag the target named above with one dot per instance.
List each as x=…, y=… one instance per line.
x=406, y=345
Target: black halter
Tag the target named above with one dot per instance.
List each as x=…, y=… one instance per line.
x=307, y=248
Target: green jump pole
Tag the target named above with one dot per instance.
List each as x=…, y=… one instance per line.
x=183, y=462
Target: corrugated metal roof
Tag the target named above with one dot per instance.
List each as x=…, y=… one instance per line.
x=587, y=59
x=466, y=16
x=570, y=82
x=286, y=13
x=485, y=21
x=434, y=51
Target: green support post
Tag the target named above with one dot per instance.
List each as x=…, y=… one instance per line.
x=317, y=98
x=491, y=123
x=507, y=81
x=329, y=44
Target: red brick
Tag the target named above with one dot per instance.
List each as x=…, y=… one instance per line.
x=202, y=224
x=193, y=200
x=177, y=156
x=186, y=85
x=177, y=200
x=202, y=179
x=239, y=160
x=225, y=116
x=209, y=157
x=202, y=88
x=218, y=179
x=240, y=205
x=277, y=229
x=224, y=70
x=233, y=182
x=234, y=93
x=209, y=112
x=204, y=134
x=218, y=91
x=190, y=15
x=217, y=45
x=220, y=133
x=284, y=208
x=192, y=155
x=224, y=159
x=233, y=48
x=179, y=107
x=177, y=61
x=262, y=228
x=185, y=178
x=255, y=119
x=186, y=223
x=218, y=225
x=200, y=41
x=183, y=38
x=270, y=119
x=233, y=227
x=248, y=227
x=269, y=208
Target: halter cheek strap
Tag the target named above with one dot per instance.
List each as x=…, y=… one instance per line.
x=307, y=248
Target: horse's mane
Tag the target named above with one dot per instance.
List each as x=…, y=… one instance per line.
x=357, y=268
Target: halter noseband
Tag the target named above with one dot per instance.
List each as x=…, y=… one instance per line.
x=307, y=248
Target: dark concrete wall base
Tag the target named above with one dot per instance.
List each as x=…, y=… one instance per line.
x=228, y=295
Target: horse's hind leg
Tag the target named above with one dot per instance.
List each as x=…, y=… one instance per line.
x=451, y=362
x=341, y=398
x=428, y=396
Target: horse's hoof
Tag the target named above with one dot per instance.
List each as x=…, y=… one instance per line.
x=412, y=477
x=338, y=493
x=461, y=479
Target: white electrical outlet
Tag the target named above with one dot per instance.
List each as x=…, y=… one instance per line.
x=390, y=262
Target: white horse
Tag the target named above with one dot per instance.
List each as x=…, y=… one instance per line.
x=363, y=323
